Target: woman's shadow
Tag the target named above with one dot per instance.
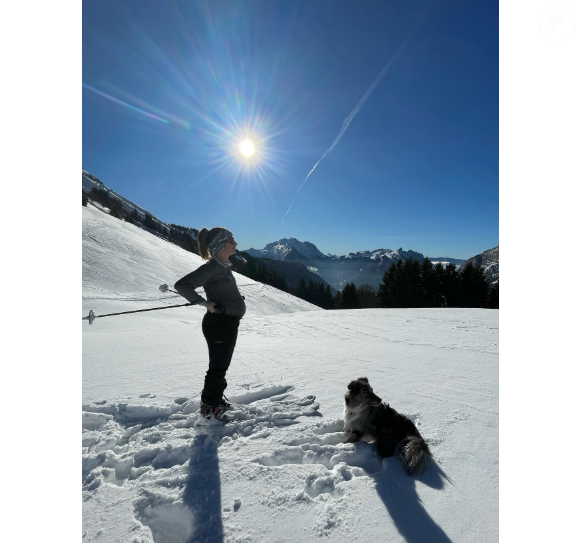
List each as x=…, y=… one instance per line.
x=203, y=491
x=399, y=494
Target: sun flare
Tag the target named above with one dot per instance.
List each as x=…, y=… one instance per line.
x=247, y=148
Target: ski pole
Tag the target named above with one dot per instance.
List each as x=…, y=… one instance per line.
x=92, y=315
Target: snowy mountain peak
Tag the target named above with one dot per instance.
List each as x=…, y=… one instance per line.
x=407, y=255
x=288, y=249
x=377, y=254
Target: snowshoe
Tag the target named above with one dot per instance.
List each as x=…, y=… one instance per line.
x=225, y=403
x=208, y=412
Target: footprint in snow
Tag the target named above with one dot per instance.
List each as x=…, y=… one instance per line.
x=129, y=441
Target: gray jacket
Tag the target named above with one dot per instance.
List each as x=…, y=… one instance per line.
x=219, y=285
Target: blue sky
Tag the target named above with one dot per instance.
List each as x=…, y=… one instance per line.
x=171, y=88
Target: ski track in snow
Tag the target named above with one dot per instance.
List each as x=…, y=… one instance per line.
x=168, y=456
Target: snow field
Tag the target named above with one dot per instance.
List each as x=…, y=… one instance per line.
x=153, y=471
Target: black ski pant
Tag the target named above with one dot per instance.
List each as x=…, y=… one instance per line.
x=221, y=333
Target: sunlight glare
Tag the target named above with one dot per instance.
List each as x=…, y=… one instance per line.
x=247, y=148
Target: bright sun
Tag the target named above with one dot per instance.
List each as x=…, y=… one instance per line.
x=247, y=148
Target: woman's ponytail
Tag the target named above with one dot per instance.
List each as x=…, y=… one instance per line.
x=202, y=240
x=202, y=244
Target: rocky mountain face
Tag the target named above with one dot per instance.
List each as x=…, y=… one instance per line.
x=489, y=261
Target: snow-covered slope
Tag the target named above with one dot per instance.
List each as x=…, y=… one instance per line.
x=124, y=264
x=280, y=471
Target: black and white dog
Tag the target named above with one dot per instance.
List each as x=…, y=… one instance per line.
x=366, y=415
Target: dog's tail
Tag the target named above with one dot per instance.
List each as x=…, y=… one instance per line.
x=415, y=454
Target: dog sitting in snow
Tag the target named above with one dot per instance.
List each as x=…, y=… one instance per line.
x=366, y=415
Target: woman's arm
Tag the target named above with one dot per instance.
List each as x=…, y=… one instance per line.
x=186, y=285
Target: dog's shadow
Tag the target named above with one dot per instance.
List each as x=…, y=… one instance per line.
x=399, y=494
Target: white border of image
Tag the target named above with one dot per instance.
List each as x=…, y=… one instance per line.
x=41, y=378
x=539, y=121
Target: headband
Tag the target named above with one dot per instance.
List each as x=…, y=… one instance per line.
x=217, y=243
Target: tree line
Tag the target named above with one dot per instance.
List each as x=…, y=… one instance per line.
x=411, y=283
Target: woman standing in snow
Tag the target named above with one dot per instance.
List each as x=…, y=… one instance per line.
x=225, y=307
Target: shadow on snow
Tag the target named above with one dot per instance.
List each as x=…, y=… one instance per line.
x=203, y=491
x=399, y=494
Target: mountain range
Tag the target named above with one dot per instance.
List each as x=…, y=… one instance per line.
x=362, y=267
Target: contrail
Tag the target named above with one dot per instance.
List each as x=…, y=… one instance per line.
x=120, y=102
x=358, y=107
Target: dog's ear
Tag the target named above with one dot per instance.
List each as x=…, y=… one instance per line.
x=363, y=379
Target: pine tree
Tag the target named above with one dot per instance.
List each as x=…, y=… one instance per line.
x=85, y=199
x=283, y=284
x=319, y=294
x=148, y=222
x=100, y=196
x=429, y=284
x=302, y=289
x=312, y=292
x=402, y=285
x=474, y=287
x=117, y=209
x=134, y=217
x=367, y=296
x=413, y=291
x=390, y=285
x=328, y=302
x=250, y=268
x=439, y=274
x=451, y=286
x=349, y=297
x=493, y=298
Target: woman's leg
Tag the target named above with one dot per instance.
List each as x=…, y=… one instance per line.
x=221, y=334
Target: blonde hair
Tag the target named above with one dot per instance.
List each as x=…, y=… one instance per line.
x=202, y=242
